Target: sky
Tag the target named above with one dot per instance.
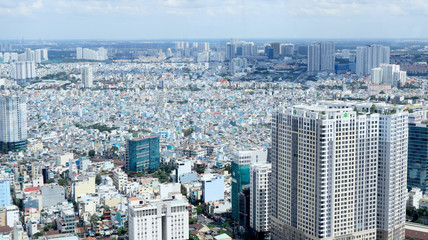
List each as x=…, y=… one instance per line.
x=204, y=19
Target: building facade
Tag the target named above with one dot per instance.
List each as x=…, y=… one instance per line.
x=5, y=198
x=321, y=57
x=331, y=175
x=259, y=197
x=120, y=179
x=371, y=56
x=417, y=175
x=13, y=124
x=24, y=71
x=212, y=188
x=87, y=77
x=142, y=154
x=241, y=163
x=161, y=220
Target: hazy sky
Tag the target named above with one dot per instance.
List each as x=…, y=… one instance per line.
x=181, y=19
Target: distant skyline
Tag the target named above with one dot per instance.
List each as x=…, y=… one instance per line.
x=192, y=19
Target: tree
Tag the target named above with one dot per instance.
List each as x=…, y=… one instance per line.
x=98, y=179
x=200, y=170
x=94, y=219
x=122, y=230
x=193, y=220
x=228, y=168
x=373, y=108
x=63, y=182
x=91, y=153
x=199, y=209
x=193, y=237
x=37, y=235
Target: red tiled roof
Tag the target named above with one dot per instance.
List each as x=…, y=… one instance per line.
x=31, y=189
x=416, y=234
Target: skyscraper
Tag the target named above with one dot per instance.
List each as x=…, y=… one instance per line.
x=332, y=176
x=142, y=154
x=242, y=160
x=87, y=78
x=276, y=49
x=392, y=172
x=23, y=72
x=417, y=175
x=13, y=124
x=230, y=51
x=371, y=56
x=287, y=49
x=259, y=198
x=321, y=57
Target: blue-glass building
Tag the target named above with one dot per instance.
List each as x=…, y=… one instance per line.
x=5, y=198
x=142, y=154
x=417, y=174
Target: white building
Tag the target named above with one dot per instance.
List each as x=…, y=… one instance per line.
x=120, y=179
x=328, y=158
x=13, y=123
x=165, y=189
x=415, y=195
x=392, y=173
x=371, y=56
x=24, y=71
x=87, y=78
x=388, y=73
x=89, y=54
x=212, y=188
x=12, y=215
x=237, y=65
x=183, y=167
x=287, y=49
x=168, y=219
x=259, y=197
x=376, y=75
x=321, y=57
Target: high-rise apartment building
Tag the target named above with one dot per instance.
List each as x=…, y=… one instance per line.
x=242, y=160
x=287, y=49
x=23, y=72
x=332, y=175
x=87, y=77
x=392, y=172
x=371, y=56
x=13, y=124
x=142, y=154
x=237, y=65
x=230, y=51
x=85, y=53
x=276, y=49
x=158, y=220
x=321, y=57
x=259, y=197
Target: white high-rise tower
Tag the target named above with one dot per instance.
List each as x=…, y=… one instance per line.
x=371, y=56
x=332, y=174
x=87, y=78
x=321, y=57
x=13, y=122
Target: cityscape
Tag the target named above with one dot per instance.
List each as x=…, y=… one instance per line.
x=154, y=121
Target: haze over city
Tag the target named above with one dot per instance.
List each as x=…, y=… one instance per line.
x=188, y=19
